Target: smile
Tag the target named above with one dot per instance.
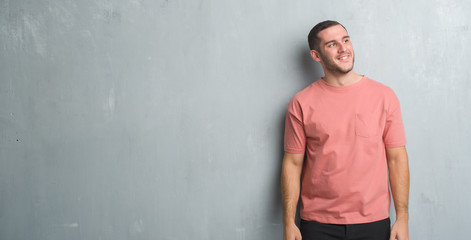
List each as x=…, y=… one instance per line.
x=342, y=58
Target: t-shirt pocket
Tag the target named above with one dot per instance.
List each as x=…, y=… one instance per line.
x=366, y=124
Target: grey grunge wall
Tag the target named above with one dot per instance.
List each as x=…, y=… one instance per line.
x=140, y=119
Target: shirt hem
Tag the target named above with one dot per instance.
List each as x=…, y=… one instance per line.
x=292, y=150
x=396, y=144
x=327, y=220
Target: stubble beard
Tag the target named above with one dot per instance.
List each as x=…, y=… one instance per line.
x=334, y=67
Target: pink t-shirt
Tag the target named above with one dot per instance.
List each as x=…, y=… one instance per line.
x=344, y=132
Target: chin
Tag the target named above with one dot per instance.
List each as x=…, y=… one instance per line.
x=345, y=70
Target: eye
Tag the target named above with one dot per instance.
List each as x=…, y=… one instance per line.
x=331, y=45
x=346, y=40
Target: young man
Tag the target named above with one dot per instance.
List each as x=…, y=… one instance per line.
x=342, y=135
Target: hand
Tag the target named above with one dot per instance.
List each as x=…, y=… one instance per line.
x=291, y=232
x=400, y=230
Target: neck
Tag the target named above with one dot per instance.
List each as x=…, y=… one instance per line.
x=342, y=79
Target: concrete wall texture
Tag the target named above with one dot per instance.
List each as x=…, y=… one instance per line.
x=163, y=119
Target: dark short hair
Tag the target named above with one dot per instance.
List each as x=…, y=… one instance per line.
x=314, y=40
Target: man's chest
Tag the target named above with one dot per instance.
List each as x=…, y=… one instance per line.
x=355, y=117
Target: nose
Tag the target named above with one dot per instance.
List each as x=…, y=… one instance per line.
x=342, y=47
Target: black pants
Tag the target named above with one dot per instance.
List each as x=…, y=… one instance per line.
x=380, y=230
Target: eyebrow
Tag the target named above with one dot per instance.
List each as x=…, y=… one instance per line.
x=327, y=43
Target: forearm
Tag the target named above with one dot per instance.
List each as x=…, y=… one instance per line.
x=399, y=179
x=290, y=188
x=290, y=195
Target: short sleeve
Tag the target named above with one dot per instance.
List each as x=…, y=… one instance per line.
x=295, y=137
x=394, y=134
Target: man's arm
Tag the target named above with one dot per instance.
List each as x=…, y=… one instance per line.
x=290, y=188
x=398, y=165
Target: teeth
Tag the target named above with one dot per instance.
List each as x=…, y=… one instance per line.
x=344, y=57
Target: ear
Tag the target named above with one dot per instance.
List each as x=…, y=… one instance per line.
x=315, y=55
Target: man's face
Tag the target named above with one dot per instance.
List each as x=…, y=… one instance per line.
x=336, y=50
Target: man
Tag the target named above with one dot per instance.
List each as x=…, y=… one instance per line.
x=342, y=135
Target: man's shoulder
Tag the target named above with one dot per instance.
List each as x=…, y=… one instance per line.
x=378, y=86
x=307, y=92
